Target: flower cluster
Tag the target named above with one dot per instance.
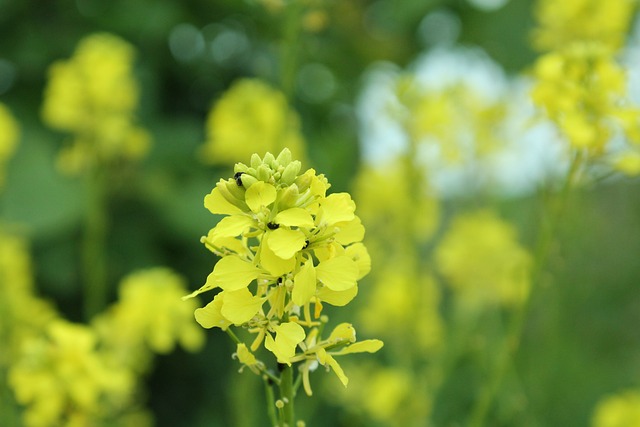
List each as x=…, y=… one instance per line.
x=94, y=95
x=483, y=262
x=561, y=23
x=8, y=139
x=251, y=117
x=131, y=330
x=581, y=84
x=285, y=246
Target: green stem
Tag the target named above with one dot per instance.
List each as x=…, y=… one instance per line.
x=94, y=259
x=553, y=215
x=289, y=47
x=287, y=396
x=271, y=402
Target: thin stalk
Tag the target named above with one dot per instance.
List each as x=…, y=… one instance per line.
x=94, y=258
x=271, y=402
x=287, y=395
x=289, y=47
x=553, y=216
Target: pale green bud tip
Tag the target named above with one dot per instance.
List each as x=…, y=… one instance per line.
x=279, y=404
x=248, y=180
x=263, y=173
x=270, y=160
x=284, y=158
x=291, y=172
x=256, y=161
x=301, y=423
x=240, y=167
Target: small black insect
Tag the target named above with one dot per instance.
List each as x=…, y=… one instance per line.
x=272, y=226
x=237, y=178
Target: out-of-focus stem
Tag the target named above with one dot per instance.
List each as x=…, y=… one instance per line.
x=289, y=47
x=94, y=258
x=553, y=215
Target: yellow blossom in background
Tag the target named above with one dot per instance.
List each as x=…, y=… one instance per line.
x=62, y=379
x=582, y=90
x=561, y=23
x=482, y=261
x=456, y=121
x=251, y=117
x=287, y=248
x=387, y=196
x=17, y=292
x=619, y=410
x=148, y=317
x=9, y=137
x=93, y=96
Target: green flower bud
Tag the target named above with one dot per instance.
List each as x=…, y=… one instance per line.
x=240, y=167
x=248, y=180
x=270, y=161
x=291, y=172
x=256, y=161
x=235, y=190
x=289, y=197
x=304, y=181
x=263, y=172
x=284, y=158
x=224, y=187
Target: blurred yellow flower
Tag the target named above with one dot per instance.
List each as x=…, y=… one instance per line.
x=63, y=379
x=619, y=410
x=93, y=96
x=251, y=117
x=133, y=327
x=9, y=137
x=561, y=23
x=482, y=261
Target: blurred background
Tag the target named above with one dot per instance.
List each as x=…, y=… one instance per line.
x=505, y=272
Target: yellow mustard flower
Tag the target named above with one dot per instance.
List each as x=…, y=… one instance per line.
x=251, y=117
x=9, y=138
x=93, y=96
x=62, y=379
x=619, y=410
x=562, y=23
x=131, y=328
x=457, y=121
x=285, y=246
x=17, y=292
x=481, y=259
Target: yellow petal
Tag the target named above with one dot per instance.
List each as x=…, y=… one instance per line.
x=359, y=254
x=275, y=265
x=231, y=226
x=232, y=273
x=338, y=274
x=288, y=336
x=343, y=332
x=245, y=356
x=210, y=315
x=240, y=306
x=368, y=346
x=285, y=243
x=335, y=366
x=217, y=204
x=260, y=194
x=337, y=207
x=337, y=298
x=304, y=284
x=350, y=232
x=294, y=217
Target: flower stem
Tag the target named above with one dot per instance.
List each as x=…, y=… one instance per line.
x=553, y=214
x=287, y=396
x=271, y=402
x=94, y=259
